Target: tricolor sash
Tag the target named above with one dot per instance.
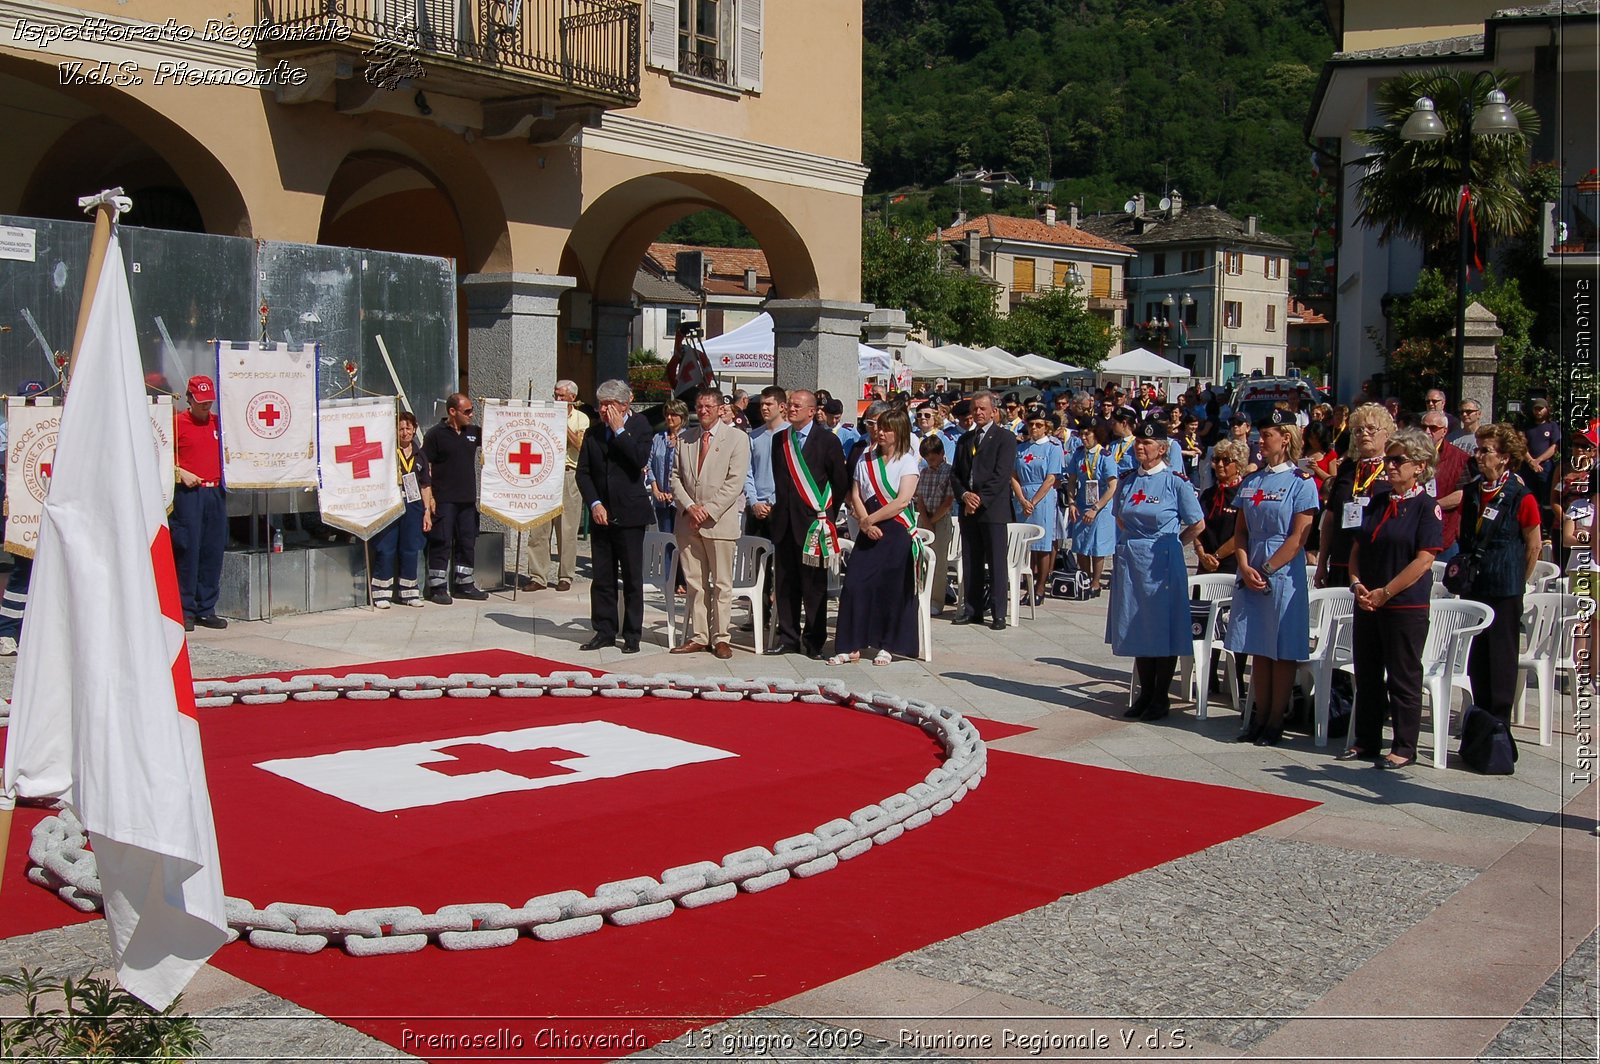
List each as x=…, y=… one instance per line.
x=878, y=477
x=821, y=545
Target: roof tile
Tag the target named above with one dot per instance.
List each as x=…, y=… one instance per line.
x=1005, y=227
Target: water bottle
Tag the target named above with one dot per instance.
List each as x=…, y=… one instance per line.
x=277, y=541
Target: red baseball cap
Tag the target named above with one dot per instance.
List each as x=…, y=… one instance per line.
x=201, y=390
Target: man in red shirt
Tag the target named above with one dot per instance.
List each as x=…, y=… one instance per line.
x=1451, y=476
x=199, y=512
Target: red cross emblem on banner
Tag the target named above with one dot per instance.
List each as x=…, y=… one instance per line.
x=270, y=414
x=44, y=468
x=360, y=452
x=525, y=458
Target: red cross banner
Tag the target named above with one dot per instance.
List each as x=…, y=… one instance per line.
x=360, y=485
x=524, y=455
x=267, y=400
x=166, y=448
x=31, y=426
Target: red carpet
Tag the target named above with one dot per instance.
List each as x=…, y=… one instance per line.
x=1035, y=830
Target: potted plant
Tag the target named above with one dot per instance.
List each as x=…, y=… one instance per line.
x=1590, y=182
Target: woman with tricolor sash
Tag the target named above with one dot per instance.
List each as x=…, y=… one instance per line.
x=878, y=606
x=1033, y=490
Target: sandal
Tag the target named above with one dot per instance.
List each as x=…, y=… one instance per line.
x=843, y=659
x=883, y=657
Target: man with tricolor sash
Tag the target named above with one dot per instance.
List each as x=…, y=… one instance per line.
x=810, y=482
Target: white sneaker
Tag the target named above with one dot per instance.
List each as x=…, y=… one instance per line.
x=417, y=602
x=8, y=647
x=380, y=604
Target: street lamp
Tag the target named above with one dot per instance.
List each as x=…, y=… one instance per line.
x=1494, y=118
x=1168, y=321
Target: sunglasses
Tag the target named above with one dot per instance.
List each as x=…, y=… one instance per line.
x=1397, y=460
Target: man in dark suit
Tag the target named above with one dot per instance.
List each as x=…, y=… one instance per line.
x=985, y=458
x=803, y=586
x=611, y=464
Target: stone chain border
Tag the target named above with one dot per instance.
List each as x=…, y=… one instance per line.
x=61, y=861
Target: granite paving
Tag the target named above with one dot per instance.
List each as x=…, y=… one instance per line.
x=1225, y=942
x=1316, y=927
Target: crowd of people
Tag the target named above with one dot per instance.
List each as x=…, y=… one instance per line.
x=1309, y=494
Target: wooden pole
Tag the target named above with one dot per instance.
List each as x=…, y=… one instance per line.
x=104, y=215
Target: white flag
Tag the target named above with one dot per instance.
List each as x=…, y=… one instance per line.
x=104, y=714
x=267, y=402
x=524, y=461
x=360, y=489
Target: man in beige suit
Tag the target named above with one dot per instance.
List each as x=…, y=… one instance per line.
x=708, y=490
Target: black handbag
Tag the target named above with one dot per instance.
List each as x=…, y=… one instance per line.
x=1486, y=743
x=1461, y=572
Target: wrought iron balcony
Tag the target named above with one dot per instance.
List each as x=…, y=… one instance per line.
x=1572, y=225
x=561, y=53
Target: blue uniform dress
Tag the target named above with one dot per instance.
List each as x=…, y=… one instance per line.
x=1035, y=461
x=1275, y=623
x=1096, y=475
x=1149, y=589
x=1122, y=454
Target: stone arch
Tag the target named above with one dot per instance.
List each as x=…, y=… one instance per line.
x=609, y=240
x=67, y=141
x=420, y=167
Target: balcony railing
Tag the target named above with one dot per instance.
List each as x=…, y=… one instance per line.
x=1572, y=223
x=589, y=47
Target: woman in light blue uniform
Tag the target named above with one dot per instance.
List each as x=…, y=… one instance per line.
x=1092, y=475
x=1271, y=614
x=1158, y=515
x=1033, y=491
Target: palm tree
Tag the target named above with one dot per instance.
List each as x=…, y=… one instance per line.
x=1412, y=188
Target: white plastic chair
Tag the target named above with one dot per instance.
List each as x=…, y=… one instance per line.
x=1542, y=573
x=1195, y=675
x=662, y=575
x=1438, y=580
x=929, y=571
x=1452, y=624
x=1548, y=623
x=750, y=555
x=1331, y=609
x=1018, y=537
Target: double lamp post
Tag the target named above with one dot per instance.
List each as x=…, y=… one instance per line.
x=1494, y=118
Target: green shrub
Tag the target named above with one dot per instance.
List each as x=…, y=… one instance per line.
x=92, y=1019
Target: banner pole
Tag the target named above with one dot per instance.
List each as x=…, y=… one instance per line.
x=366, y=553
x=104, y=213
x=516, y=568
x=5, y=842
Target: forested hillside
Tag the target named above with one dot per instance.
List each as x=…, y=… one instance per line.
x=1108, y=97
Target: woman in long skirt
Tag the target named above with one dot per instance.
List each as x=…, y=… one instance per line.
x=1091, y=476
x=878, y=606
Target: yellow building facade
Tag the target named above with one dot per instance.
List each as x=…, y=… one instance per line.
x=540, y=144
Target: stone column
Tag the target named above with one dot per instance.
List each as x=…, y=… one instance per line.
x=1480, y=358
x=887, y=330
x=613, y=340
x=816, y=342
x=513, y=329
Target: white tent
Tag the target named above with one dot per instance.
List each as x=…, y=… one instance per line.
x=751, y=350
x=997, y=363
x=1046, y=368
x=925, y=361
x=1141, y=363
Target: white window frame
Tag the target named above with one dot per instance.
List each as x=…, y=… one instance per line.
x=739, y=44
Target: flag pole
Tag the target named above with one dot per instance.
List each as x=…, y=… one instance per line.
x=105, y=211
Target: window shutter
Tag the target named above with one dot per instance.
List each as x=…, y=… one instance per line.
x=747, y=50
x=663, y=34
